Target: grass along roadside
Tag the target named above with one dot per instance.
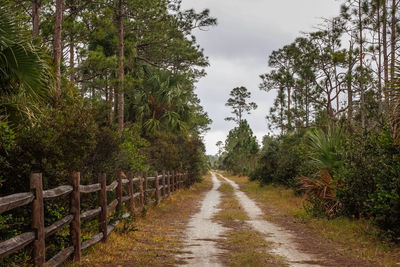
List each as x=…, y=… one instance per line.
x=242, y=245
x=354, y=238
x=157, y=237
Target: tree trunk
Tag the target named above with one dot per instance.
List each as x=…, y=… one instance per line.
x=72, y=45
x=393, y=42
x=115, y=101
x=385, y=54
x=379, y=57
x=329, y=108
x=107, y=90
x=58, y=46
x=121, y=68
x=307, y=108
x=111, y=103
x=83, y=89
x=82, y=83
x=288, y=109
x=281, y=96
x=72, y=58
x=349, y=85
x=36, y=6
x=361, y=67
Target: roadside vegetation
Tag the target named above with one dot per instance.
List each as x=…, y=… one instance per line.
x=334, y=136
x=95, y=87
x=355, y=238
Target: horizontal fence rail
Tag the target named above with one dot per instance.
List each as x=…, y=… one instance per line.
x=149, y=190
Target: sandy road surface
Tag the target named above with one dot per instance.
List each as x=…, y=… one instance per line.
x=283, y=239
x=204, y=233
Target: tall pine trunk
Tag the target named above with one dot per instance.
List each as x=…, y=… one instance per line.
x=36, y=6
x=121, y=67
x=282, y=108
x=72, y=58
x=378, y=8
x=307, y=104
x=349, y=85
x=362, y=90
x=111, y=104
x=289, y=111
x=393, y=42
x=57, y=47
x=385, y=54
x=72, y=45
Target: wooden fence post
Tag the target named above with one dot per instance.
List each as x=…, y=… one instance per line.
x=169, y=183
x=173, y=182
x=39, y=249
x=145, y=187
x=181, y=180
x=176, y=181
x=141, y=191
x=130, y=192
x=163, y=183
x=157, y=188
x=119, y=190
x=103, y=206
x=75, y=227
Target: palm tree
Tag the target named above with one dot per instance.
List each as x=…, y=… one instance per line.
x=325, y=149
x=25, y=80
x=162, y=104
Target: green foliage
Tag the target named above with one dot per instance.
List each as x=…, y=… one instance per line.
x=239, y=105
x=163, y=116
x=57, y=145
x=25, y=77
x=131, y=156
x=283, y=159
x=369, y=183
x=241, y=149
x=7, y=143
x=325, y=148
x=343, y=172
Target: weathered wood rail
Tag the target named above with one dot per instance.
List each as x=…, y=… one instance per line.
x=157, y=187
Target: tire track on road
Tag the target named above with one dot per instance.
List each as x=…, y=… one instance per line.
x=284, y=239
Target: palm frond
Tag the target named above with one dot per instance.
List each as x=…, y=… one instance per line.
x=26, y=82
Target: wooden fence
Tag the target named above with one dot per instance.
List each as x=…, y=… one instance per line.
x=150, y=190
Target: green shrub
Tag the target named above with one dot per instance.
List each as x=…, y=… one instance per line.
x=283, y=159
x=7, y=143
x=369, y=182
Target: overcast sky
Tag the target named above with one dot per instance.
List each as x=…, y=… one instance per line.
x=238, y=49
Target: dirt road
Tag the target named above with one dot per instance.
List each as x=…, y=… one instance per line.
x=284, y=240
x=204, y=233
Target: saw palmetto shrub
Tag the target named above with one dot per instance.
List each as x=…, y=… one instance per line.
x=325, y=157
